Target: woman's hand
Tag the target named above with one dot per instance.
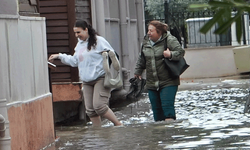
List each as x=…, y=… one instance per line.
x=138, y=76
x=53, y=56
x=167, y=53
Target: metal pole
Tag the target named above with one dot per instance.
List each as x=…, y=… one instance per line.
x=100, y=18
x=244, y=30
x=2, y=126
x=124, y=32
x=53, y=67
x=5, y=140
x=140, y=20
x=166, y=12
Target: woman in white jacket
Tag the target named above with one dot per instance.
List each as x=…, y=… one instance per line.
x=89, y=60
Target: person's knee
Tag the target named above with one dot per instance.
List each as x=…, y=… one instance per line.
x=91, y=113
x=100, y=109
x=101, y=106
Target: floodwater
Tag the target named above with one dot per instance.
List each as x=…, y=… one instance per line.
x=209, y=116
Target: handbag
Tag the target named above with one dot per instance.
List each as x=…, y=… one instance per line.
x=176, y=68
x=109, y=80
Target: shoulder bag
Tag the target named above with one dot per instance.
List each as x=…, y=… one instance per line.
x=176, y=68
x=110, y=82
x=112, y=79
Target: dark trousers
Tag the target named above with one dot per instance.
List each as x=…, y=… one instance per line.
x=162, y=102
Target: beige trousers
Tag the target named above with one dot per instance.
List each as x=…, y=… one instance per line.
x=96, y=97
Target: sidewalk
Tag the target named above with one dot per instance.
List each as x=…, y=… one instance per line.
x=205, y=83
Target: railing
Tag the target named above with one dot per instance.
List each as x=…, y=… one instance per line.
x=185, y=25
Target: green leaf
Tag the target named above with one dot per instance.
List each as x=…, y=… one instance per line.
x=196, y=7
x=238, y=28
x=246, y=8
x=227, y=15
x=212, y=21
x=223, y=28
x=224, y=19
x=220, y=4
x=240, y=1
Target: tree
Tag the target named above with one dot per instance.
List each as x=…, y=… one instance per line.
x=223, y=15
x=155, y=8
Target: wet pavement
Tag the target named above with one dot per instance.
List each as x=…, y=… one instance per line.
x=210, y=115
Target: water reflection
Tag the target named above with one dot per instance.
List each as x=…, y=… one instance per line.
x=210, y=117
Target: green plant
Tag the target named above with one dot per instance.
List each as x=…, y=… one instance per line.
x=223, y=15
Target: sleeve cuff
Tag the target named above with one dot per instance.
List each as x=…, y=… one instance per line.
x=60, y=55
x=171, y=56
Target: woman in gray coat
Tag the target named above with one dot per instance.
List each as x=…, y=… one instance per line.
x=161, y=86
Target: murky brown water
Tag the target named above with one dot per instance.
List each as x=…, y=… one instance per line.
x=209, y=116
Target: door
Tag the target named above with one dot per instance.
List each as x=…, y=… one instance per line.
x=60, y=19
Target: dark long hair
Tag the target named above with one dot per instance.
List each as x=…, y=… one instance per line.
x=92, y=33
x=160, y=27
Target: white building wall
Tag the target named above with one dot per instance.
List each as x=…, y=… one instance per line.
x=210, y=62
x=8, y=7
x=23, y=59
x=121, y=28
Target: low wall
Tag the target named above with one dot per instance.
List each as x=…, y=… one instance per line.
x=67, y=91
x=31, y=124
x=210, y=62
x=67, y=98
x=24, y=81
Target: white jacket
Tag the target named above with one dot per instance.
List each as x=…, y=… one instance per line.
x=89, y=63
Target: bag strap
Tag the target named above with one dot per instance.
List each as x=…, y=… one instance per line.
x=165, y=44
x=142, y=54
x=110, y=61
x=165, y=47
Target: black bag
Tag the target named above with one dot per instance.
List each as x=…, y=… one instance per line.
x=176, y=68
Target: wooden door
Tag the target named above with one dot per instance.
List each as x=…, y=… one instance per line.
x=60, y=19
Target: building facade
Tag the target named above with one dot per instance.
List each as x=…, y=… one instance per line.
x=34, y=29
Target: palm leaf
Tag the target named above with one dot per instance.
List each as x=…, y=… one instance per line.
x=212, y=21
x=223, y=28
x=196, y=7
x=220, y=4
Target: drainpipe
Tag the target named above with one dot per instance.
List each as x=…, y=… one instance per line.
x=5, y=143
x=100, y=19
x=124, y=33
x=93, y=14
x=140, y=20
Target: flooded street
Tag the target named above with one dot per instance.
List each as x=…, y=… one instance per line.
x=210, y=115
